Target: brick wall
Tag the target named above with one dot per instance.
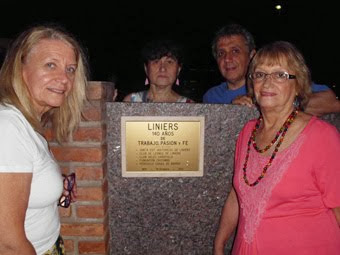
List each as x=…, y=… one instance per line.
x=85, y=223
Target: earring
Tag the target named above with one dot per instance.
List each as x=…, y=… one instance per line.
x=177, y=82
x=146, y=81
x=297, y=102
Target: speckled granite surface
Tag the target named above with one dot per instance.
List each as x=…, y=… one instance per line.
x=163, y=216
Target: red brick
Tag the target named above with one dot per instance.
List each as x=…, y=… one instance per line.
x=97, y=90
x=69, y=245
x=82, y=229
x=89, y=173
x=92, y=111
x=78, y=154
x=89, y=193
x=89, y=211
x=65, y=212
x=88, y=247
x=65, y=169
x=95, y=134
x=74, y=223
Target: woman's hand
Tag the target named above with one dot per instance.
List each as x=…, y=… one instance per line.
x=243, y=100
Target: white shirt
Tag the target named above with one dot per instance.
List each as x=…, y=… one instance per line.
x=23, y=150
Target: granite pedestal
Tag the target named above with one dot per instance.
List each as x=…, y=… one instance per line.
x=163, y=216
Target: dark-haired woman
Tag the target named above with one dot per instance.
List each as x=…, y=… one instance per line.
x=162, y=64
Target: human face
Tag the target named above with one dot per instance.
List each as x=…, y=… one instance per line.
x=233, y=58
x=49, y=73
x=271, y=94
x=163, y=71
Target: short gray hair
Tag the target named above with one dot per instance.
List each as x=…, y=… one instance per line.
x=230, y=30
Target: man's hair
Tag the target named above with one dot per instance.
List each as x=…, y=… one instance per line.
x=230, y=30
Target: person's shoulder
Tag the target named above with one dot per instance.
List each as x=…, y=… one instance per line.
x=183, y=99
x=249, y=125
x=214, y=92
x=319, y=87
x=135, y=96
x=246, y=130
x=13, y=122
x=10, y=114
x=323, y=137
x=220, y=86
x=322, y=128
x=189, y=100
x=321, y=123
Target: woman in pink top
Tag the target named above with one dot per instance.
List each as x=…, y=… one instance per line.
x=285, y=197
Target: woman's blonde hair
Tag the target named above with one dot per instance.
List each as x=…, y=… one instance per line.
x=13, y=89
x=282, y=52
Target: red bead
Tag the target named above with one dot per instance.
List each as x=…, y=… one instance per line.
x=281, y=133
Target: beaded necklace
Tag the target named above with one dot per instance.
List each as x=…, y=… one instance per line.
x=280, y=134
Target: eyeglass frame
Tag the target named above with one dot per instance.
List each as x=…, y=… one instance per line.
x=286, y=75
x=65, y=200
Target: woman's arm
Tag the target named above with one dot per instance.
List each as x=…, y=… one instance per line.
x=337, y=214
x=323, y=102
x=228, y=223
x=14, y=195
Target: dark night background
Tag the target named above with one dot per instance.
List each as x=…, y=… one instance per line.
x=114, y=33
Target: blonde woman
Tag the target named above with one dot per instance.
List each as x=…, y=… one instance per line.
x=43, y=78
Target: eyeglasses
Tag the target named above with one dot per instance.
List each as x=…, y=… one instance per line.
x=69, y=181
x=278, y=77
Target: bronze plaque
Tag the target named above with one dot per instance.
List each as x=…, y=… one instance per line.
x=162, y=146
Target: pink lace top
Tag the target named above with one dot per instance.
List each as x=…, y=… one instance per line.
x=299, y=189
